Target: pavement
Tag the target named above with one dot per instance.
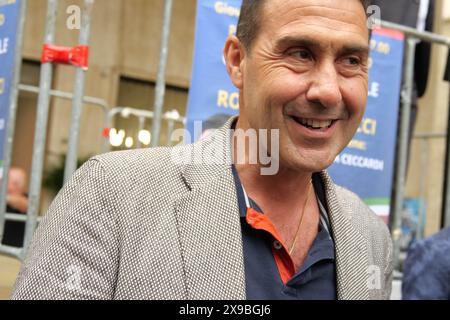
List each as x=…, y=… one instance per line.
x=396, y=293
x=9, y=269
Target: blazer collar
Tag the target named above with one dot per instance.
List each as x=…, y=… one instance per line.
x=208, y=159
x=350, y=246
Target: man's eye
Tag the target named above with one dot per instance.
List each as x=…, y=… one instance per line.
x=353, y=61
x=300, y=54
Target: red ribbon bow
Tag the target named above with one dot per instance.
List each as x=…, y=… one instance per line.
x=105, y=132
x=76, y=56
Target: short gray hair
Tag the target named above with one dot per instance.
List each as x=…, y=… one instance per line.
x=249, y=20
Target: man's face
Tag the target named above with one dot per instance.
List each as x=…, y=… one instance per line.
x=306, y=74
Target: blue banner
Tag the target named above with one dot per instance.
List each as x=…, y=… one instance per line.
x=211, y=90
x=9, y=19
x=366, y=166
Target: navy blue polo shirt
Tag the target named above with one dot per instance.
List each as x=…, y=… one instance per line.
x=267, y=263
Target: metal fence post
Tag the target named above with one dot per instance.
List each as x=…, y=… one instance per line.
x=161, y=80
x=140, y=128
x=170, y=128
x=77, y=106
x=41, y=130
x=406, y=97
x=11, y=126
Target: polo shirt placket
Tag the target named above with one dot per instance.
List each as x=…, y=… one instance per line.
x=269, y=270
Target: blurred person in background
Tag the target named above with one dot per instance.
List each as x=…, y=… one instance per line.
x=17, y=202
x=426, y=270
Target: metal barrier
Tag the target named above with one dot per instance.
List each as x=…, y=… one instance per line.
x=41, y=122
x=96, y=102
x=161, y=77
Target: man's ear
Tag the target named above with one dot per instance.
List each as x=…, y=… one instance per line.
x=234, y=54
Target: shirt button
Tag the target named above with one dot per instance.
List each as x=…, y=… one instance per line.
x=277, y=245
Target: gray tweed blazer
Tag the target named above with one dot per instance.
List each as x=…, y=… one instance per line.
x=153, y=224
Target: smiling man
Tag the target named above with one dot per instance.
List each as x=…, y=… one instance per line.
x=142, y=225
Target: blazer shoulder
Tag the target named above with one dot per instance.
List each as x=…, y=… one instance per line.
x=356, y=210
x=137, y=163
x=363, y=219
x=373, y=229
x=129, y=158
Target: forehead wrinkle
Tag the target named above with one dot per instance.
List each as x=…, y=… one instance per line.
x=296, y=17
x=309, y=36
x=314, y=19
x=329, y=28
x=322, y=8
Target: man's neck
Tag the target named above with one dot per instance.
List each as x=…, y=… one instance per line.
x=286, y=188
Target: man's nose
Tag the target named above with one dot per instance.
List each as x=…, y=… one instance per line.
x=324, y=87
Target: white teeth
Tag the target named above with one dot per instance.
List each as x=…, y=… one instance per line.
x=316, y=124
x=321, y=124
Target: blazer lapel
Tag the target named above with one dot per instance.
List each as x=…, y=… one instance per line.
x=351, y=252
x=209, y=224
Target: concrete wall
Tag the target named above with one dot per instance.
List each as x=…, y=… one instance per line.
x=26, y=115
x=141, y=36
x=9, y=269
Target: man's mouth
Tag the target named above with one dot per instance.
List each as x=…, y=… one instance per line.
x=313, y=123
